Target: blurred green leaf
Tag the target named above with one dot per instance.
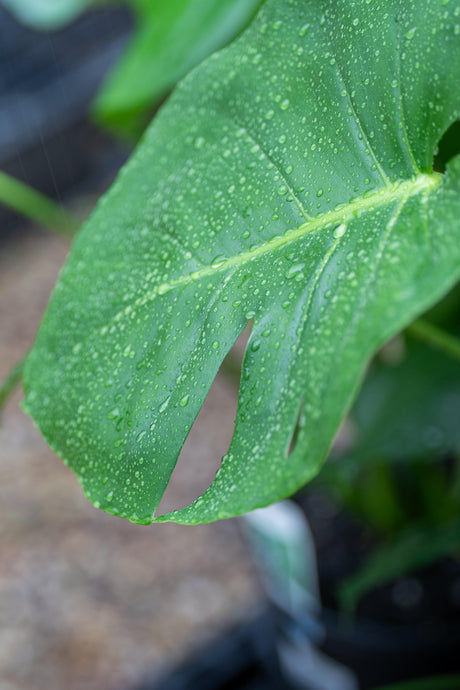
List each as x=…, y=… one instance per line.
x=414, y=548
x=409, y=409
x=171, y=38
x=406, y=420
x=406, y=414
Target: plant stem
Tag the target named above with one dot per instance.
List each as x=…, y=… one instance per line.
x=28, y=202
x=10, y=382
x=436, y=337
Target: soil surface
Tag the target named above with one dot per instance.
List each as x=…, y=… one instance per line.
x=89, y=601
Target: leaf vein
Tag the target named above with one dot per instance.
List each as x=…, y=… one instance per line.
x=357, y=120
x=416, y=185
x=402, y=115
x=390, y=193
x=282, y=175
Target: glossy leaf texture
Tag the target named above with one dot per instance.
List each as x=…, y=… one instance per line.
x=287, y=181
x=171, y=38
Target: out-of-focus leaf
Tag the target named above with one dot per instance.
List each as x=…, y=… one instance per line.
x=416, y=547
x=410, y=409
x=406, y=413
x=171, y=38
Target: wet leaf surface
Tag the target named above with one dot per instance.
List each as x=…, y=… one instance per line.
x=289, y=181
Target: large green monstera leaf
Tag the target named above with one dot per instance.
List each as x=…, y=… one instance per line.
x=287, y=181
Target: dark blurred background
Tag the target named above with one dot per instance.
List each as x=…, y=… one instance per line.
x=48, y=80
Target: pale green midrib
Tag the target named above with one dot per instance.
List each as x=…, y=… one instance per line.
x=385, y=195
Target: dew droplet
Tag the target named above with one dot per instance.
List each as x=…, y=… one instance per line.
x=218, y=261
x=340, y=230
x=293, y=270
x=164, y=404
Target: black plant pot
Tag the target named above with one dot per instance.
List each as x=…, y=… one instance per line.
x=243, y=658
x=408, y=628
x=397, y=636
x=246, y=658
x=382, y=654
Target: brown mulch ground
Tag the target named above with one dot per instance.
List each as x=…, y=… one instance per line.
x=89, y=601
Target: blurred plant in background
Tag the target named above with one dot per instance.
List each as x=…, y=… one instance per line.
x=400, y=476
x=170, y=38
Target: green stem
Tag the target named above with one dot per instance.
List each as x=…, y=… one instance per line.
x=436, y=337
x=34, y=205
x=8, y=385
